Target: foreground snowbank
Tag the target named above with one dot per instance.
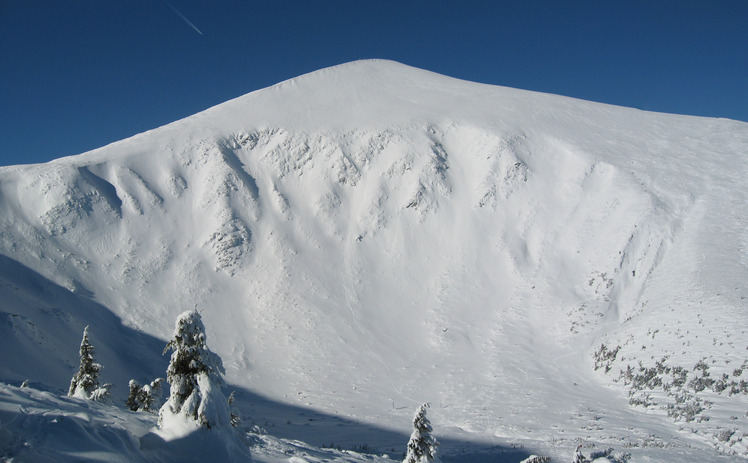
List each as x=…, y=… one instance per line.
x=42, y=426
x=38, y=426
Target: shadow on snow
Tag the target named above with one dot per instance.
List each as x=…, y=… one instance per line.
x=45, y=321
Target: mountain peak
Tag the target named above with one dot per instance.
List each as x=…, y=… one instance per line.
x=355, y=94
x=461, y=241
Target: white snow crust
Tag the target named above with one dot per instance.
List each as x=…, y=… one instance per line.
x=370, y=237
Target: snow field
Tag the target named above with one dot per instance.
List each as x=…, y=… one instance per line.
x=371, y=237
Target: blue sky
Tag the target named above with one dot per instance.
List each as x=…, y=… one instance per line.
x=79, y=74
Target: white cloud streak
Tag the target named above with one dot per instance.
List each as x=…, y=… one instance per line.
x=184, y=18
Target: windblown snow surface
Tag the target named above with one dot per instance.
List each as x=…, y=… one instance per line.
x=545, y=271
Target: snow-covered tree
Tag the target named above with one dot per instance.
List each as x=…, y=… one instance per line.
x=132, y=398
x=195, y=376
x=422, y=445
x=149, y=394
x=86, y=379
x=536, y=459
x=142, y=398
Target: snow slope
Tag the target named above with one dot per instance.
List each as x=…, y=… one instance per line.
x=371, y=236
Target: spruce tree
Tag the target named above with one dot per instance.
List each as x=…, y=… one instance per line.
x=142, y=398
x=86, y=379
x=149, y=393
x=422, y=445
x=132, y=399
x=195, y=377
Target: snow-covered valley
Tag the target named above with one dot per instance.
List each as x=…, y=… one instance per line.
x=545, y=271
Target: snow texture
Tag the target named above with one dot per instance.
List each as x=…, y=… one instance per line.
x=547, y=272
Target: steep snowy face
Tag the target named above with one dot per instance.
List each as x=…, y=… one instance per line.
x=373, y=236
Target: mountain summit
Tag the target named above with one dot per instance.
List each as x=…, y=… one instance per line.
x=371, y=236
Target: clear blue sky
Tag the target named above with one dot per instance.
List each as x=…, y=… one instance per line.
x=78, y=74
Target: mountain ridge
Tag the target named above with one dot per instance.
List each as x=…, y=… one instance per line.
x=389, y=72
x=462, y=241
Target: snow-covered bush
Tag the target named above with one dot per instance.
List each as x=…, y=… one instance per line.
x=86, y=380
x=724, y=435
x=536, y=459
x=578, y=456
x=142, y=398
x=195, y=378
x=150, y=395
x=422, y=445
x=685, y=408
x=101, y=393
x=605, y=357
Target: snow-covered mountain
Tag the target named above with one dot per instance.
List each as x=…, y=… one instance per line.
x=365, y=238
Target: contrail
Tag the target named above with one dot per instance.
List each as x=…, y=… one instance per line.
x=184, y=18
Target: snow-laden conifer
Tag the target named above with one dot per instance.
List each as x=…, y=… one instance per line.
x=536, y=459
x=150, y=394
x=132, y=398
x=86, y=379
x=195, y=378
x=143, y=398
x=422, y=445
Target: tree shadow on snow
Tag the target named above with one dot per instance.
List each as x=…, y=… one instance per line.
x=327, y=430
x=43, y=323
